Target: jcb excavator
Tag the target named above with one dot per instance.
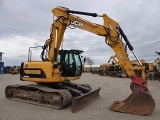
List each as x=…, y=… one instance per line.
x=15, y=70
x=115, y=69
x=53, y=74
x=154, y=69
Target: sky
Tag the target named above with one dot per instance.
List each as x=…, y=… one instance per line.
x=26, y=23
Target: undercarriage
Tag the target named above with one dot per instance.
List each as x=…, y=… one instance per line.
x=57, y=95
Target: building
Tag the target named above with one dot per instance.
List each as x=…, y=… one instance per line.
x=1, y=64
x=93, y=67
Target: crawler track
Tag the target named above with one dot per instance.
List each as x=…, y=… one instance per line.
x=39, y=95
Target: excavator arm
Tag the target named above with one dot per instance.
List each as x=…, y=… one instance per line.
x=113, y=58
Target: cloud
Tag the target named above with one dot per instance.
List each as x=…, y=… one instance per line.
x=27, y=23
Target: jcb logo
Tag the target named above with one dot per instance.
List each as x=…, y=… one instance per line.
x=77, y=23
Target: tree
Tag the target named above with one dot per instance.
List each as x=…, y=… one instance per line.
x=89, y=61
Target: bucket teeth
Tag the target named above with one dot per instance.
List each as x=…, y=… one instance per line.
x=139, y=103
x=117, y=105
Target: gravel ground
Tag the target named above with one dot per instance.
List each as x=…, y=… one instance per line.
x=112, y=89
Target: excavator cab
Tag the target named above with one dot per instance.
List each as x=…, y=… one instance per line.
x=70, y=62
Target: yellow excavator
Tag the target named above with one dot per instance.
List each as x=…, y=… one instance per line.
x=15, y=69
x=154, y=69
x=53, y=75
x=115, y=69
x=103, y=69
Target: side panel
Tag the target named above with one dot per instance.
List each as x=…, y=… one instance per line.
x=37, y=69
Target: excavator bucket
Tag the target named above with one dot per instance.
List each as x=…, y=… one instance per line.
x=82, y=101
x=139, y=103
